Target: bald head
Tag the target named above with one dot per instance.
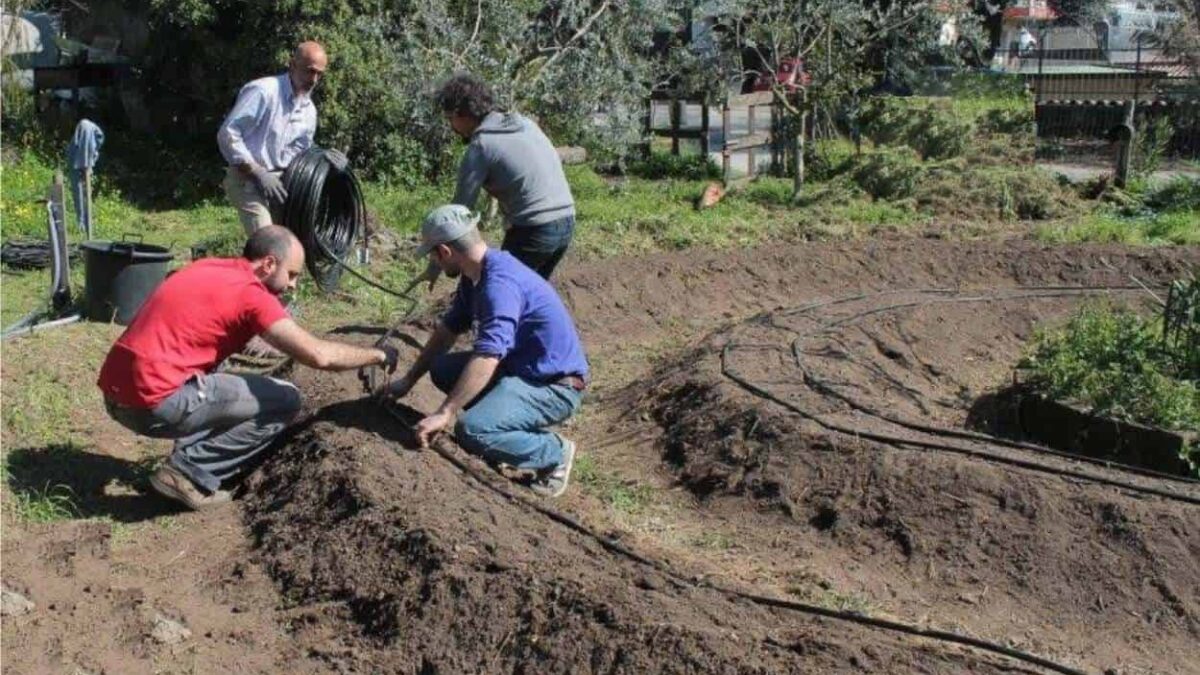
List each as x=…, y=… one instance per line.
x=273, y=240
x=307, y=66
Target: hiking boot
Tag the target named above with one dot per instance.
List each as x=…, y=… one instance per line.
x=172, y=484
x=553, y=482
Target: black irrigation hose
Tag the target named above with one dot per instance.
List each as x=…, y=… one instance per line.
x=823, y=387
x=778, y=603
x=1044, y=292
x=889, y=439
x=325, y=210
x=32, y=254
x=1019, y=293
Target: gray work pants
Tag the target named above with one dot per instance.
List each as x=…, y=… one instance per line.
x=219, y=422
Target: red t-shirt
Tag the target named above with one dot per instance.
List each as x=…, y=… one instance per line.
x=193, y=321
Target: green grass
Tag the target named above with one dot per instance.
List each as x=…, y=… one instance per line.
x=1180, y=228
x=49, y=504
x=623, y=497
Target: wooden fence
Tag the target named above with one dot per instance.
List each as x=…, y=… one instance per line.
x=742, y=141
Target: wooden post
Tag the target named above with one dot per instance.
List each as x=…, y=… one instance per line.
x=776, y=164
x=725, y=142
x=704, y=128
x=750, y=130
x=1037, y=97
x=1137, y=72
x=648, y=147
x=1125, y=137
x=675, y=114
x=87, y=203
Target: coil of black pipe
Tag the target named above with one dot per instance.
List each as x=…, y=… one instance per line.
x=325, y=210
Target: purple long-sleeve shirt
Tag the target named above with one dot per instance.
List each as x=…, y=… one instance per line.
x=518, y=318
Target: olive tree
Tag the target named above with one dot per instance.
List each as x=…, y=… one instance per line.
x=584, y=68
x=846, y=45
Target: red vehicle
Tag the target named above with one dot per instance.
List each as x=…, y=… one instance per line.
x=790, y=75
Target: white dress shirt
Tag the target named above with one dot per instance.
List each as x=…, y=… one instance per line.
x=269, y=125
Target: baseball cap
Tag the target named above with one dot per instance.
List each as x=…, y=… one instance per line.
x=445, y=224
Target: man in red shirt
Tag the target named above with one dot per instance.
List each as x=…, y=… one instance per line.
x=158, y=381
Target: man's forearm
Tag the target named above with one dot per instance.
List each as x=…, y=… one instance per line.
x=439, y=343
x=340, y=356
x=475, y=377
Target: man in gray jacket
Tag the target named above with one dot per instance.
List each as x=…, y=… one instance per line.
x=509, y=156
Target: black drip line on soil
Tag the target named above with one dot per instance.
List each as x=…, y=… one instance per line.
x=620, y=549
x=1024, y=292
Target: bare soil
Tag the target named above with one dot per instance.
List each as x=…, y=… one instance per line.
x=349, y=552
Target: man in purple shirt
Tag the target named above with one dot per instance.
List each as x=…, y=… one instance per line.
x=526, y=370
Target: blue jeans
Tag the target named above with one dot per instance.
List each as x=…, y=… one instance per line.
x=507, y=422
x=540, y=247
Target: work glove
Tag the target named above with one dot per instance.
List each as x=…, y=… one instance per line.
x=392, y=358
x=371, y=377
x=269, y=185
x=338, y=159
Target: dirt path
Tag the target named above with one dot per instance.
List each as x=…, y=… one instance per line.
x=355, y=557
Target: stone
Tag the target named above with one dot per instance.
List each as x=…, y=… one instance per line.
x=14, y=604
x=169, y=632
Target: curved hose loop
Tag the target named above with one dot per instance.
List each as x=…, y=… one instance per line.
x=619, y=549
x=325, y=210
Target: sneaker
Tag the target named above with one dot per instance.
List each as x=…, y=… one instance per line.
x=553, y=482
x=172, y=484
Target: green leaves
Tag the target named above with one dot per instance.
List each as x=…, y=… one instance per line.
x=1114, y=362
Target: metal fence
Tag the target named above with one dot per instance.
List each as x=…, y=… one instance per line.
x=1081, y=93
x=739, y=135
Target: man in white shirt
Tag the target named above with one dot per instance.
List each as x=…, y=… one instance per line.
x=273, y=121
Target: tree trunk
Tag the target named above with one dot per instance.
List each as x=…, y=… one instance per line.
x=798, y=153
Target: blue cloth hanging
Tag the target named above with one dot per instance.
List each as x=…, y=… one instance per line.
x=82, y=154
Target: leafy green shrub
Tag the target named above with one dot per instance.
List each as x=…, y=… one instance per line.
x=1153, y=140
x=1008, y=121
x=1113, y=361
x=825, y=160
x=1181, y=193
x=889, y=173
x=930, y=127
x=687, y=167
x=940, y=134
x=582, y=73
x=987, y=85
x=889, y=120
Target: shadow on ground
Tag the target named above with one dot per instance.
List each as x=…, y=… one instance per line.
x=63, y=481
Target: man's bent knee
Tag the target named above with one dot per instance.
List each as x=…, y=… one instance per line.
x=470, y=434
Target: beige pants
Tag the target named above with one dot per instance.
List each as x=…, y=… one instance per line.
x=251, y=205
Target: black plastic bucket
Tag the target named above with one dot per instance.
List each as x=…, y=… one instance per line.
x=120, y=275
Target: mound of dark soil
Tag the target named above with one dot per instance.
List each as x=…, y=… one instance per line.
x=789, y=413
x=397, y=562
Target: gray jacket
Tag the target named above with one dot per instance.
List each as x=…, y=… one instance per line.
x=512, y=159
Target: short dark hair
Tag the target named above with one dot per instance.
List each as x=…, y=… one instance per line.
x=270, y=240
x=466, y=94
